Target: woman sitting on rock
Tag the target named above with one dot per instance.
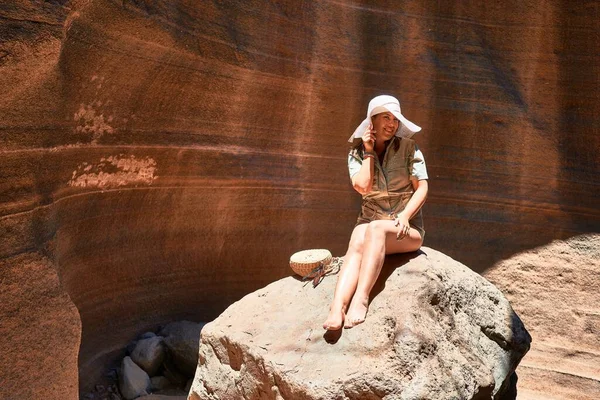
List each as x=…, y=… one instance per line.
x=388, y=170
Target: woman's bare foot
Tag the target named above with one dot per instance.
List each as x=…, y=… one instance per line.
x=335, y=319
x=357, y=312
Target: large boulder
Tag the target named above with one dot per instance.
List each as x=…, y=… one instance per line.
x=435, y=330
x=181, y=339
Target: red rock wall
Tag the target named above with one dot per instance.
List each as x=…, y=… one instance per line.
x=40, y=327
x=175, y=153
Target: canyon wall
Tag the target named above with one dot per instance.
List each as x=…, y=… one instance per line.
x=163, y=158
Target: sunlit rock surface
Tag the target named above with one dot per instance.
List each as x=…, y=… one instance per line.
x=167, y=157
x=554, y=289
x=435, y=330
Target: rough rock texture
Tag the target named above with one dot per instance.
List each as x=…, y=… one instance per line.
x=159, y=383
x=181, y=338
x=168, y=156
x=39, y=332
x=149, y=354
x=133, y=381
x=435, y=330
x=554, y=289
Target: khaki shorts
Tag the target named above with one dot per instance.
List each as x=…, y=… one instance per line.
x=370, y=212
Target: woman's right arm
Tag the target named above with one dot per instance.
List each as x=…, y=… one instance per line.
x=363, y=180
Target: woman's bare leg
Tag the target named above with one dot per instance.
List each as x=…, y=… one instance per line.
x=347, y=280
x=380, y=239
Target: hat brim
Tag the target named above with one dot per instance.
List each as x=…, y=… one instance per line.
x=406, y=128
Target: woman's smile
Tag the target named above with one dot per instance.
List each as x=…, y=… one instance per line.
x=385, y=125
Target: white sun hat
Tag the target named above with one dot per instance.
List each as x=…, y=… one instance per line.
x=381, y=104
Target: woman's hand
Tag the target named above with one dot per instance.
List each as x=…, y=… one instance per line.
x=403, y=225
x=368, y=138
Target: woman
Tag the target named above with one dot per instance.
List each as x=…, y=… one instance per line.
x=388, y=170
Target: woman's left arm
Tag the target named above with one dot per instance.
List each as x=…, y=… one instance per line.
x=412, y=207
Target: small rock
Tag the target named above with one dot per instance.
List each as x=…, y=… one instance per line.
x=112, y=374
x=182, y=339
x=133, y=381
x=149, y=354
x=131, y=346
x=159, y=383
x=148, y=335
x=113, y=389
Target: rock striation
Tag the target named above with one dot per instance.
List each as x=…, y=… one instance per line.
x=554, y=289
x=435, y=330
x=152, y=151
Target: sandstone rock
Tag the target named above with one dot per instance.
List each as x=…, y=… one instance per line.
x=554, y=288
x=133, y=381
x=435, y=330
x=40, y=330
x=147, y=335
x=162, y=397
x=159, y=383
x=131, y=346
x=171, y=372
x=149, y=354
x=182, y=339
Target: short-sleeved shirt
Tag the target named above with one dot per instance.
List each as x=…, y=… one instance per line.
x=392, y=187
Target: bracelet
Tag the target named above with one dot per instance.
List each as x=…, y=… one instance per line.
x=368, y=154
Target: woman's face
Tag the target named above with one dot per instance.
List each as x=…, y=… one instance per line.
x=385, y=125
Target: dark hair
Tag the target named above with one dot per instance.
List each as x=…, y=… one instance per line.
x=357, y=146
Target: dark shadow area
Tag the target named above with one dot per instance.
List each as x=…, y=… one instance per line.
x=391, y=263
x=332, y=337
x=510, y=391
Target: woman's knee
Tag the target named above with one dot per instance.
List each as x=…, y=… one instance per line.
x=376, y=229
x=356, y=246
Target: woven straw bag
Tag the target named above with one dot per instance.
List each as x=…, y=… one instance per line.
x=306, y=262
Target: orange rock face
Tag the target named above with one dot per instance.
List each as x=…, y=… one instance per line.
x=169, y=156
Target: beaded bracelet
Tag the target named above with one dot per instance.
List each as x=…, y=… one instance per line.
x=367, y=154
